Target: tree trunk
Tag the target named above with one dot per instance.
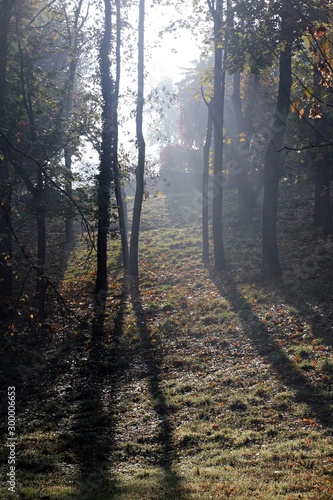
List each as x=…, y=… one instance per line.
x=69, y=223
x=106, y=157
x=6, y=9
x=205, y=191
x=116, y=174
x=5, y=232
x=217, y=109
x=139, y=173
x=41, y=248
x=271, y=267
x=322, y=215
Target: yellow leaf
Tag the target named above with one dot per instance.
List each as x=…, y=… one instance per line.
x=294, y=106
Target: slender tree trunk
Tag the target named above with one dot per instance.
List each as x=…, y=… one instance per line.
x=41, y=248
x=134, y=245
x=116, y=173
x=6, y=9
x=69, y=223
x=205, y=191
x=271, y=267
x=5, y=232
x=217, y=109
x=106, y=157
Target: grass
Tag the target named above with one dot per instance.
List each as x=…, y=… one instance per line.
x=201, y=386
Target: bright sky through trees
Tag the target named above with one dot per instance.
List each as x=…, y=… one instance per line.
x=167, y=54
x=171, y=52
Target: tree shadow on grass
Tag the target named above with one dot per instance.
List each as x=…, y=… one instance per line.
x=265, y=345
x=317, y=310
x=171, y=488
x=92, y=435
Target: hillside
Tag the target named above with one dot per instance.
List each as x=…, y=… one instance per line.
x=195, y=385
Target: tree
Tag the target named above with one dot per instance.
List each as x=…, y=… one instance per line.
x=6, y=11
x=34, y=135
x=271, y=267
x=216, y=108
x=205, y=191
x=321, y=50
x=139, y=173
x=116, y=173
x=108, y=151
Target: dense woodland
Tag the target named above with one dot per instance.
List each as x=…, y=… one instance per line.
x=262, y=88
x=132, y=208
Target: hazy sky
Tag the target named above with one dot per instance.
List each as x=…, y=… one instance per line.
x=175, y=50
x=172, y=57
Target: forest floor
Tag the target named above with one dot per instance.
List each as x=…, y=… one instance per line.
x=193, y=386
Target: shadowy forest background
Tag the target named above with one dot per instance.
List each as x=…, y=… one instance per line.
x=92, y=144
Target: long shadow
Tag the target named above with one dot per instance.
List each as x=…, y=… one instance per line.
x=91, y=437
x=260, y=337
x=172, y=482
x=317, y=311
x=45, y=398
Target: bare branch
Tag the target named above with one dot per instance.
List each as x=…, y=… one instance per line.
x=302, y=148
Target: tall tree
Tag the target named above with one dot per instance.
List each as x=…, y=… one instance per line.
x=39, y=109
x=139, y=173
x=107, y=152
x=6, y=11
x=116, y=173
x=321, y=50
x=205, y=191
x=216, y=107
x=271, y=267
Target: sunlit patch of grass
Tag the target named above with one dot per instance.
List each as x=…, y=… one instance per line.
x=53, y=492
x=303, y=351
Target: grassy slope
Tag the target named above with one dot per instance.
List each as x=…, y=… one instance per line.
x=203, y=386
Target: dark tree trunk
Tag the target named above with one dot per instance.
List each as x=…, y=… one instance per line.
x=69, y=223
x=41, y=248
x=134, y=245
x=6, y=9
x=322, y=215
x=271, y=267
x=117, y=180
x=106, y=157
x=216, y=108
x=205, y=191
x=5, y=232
